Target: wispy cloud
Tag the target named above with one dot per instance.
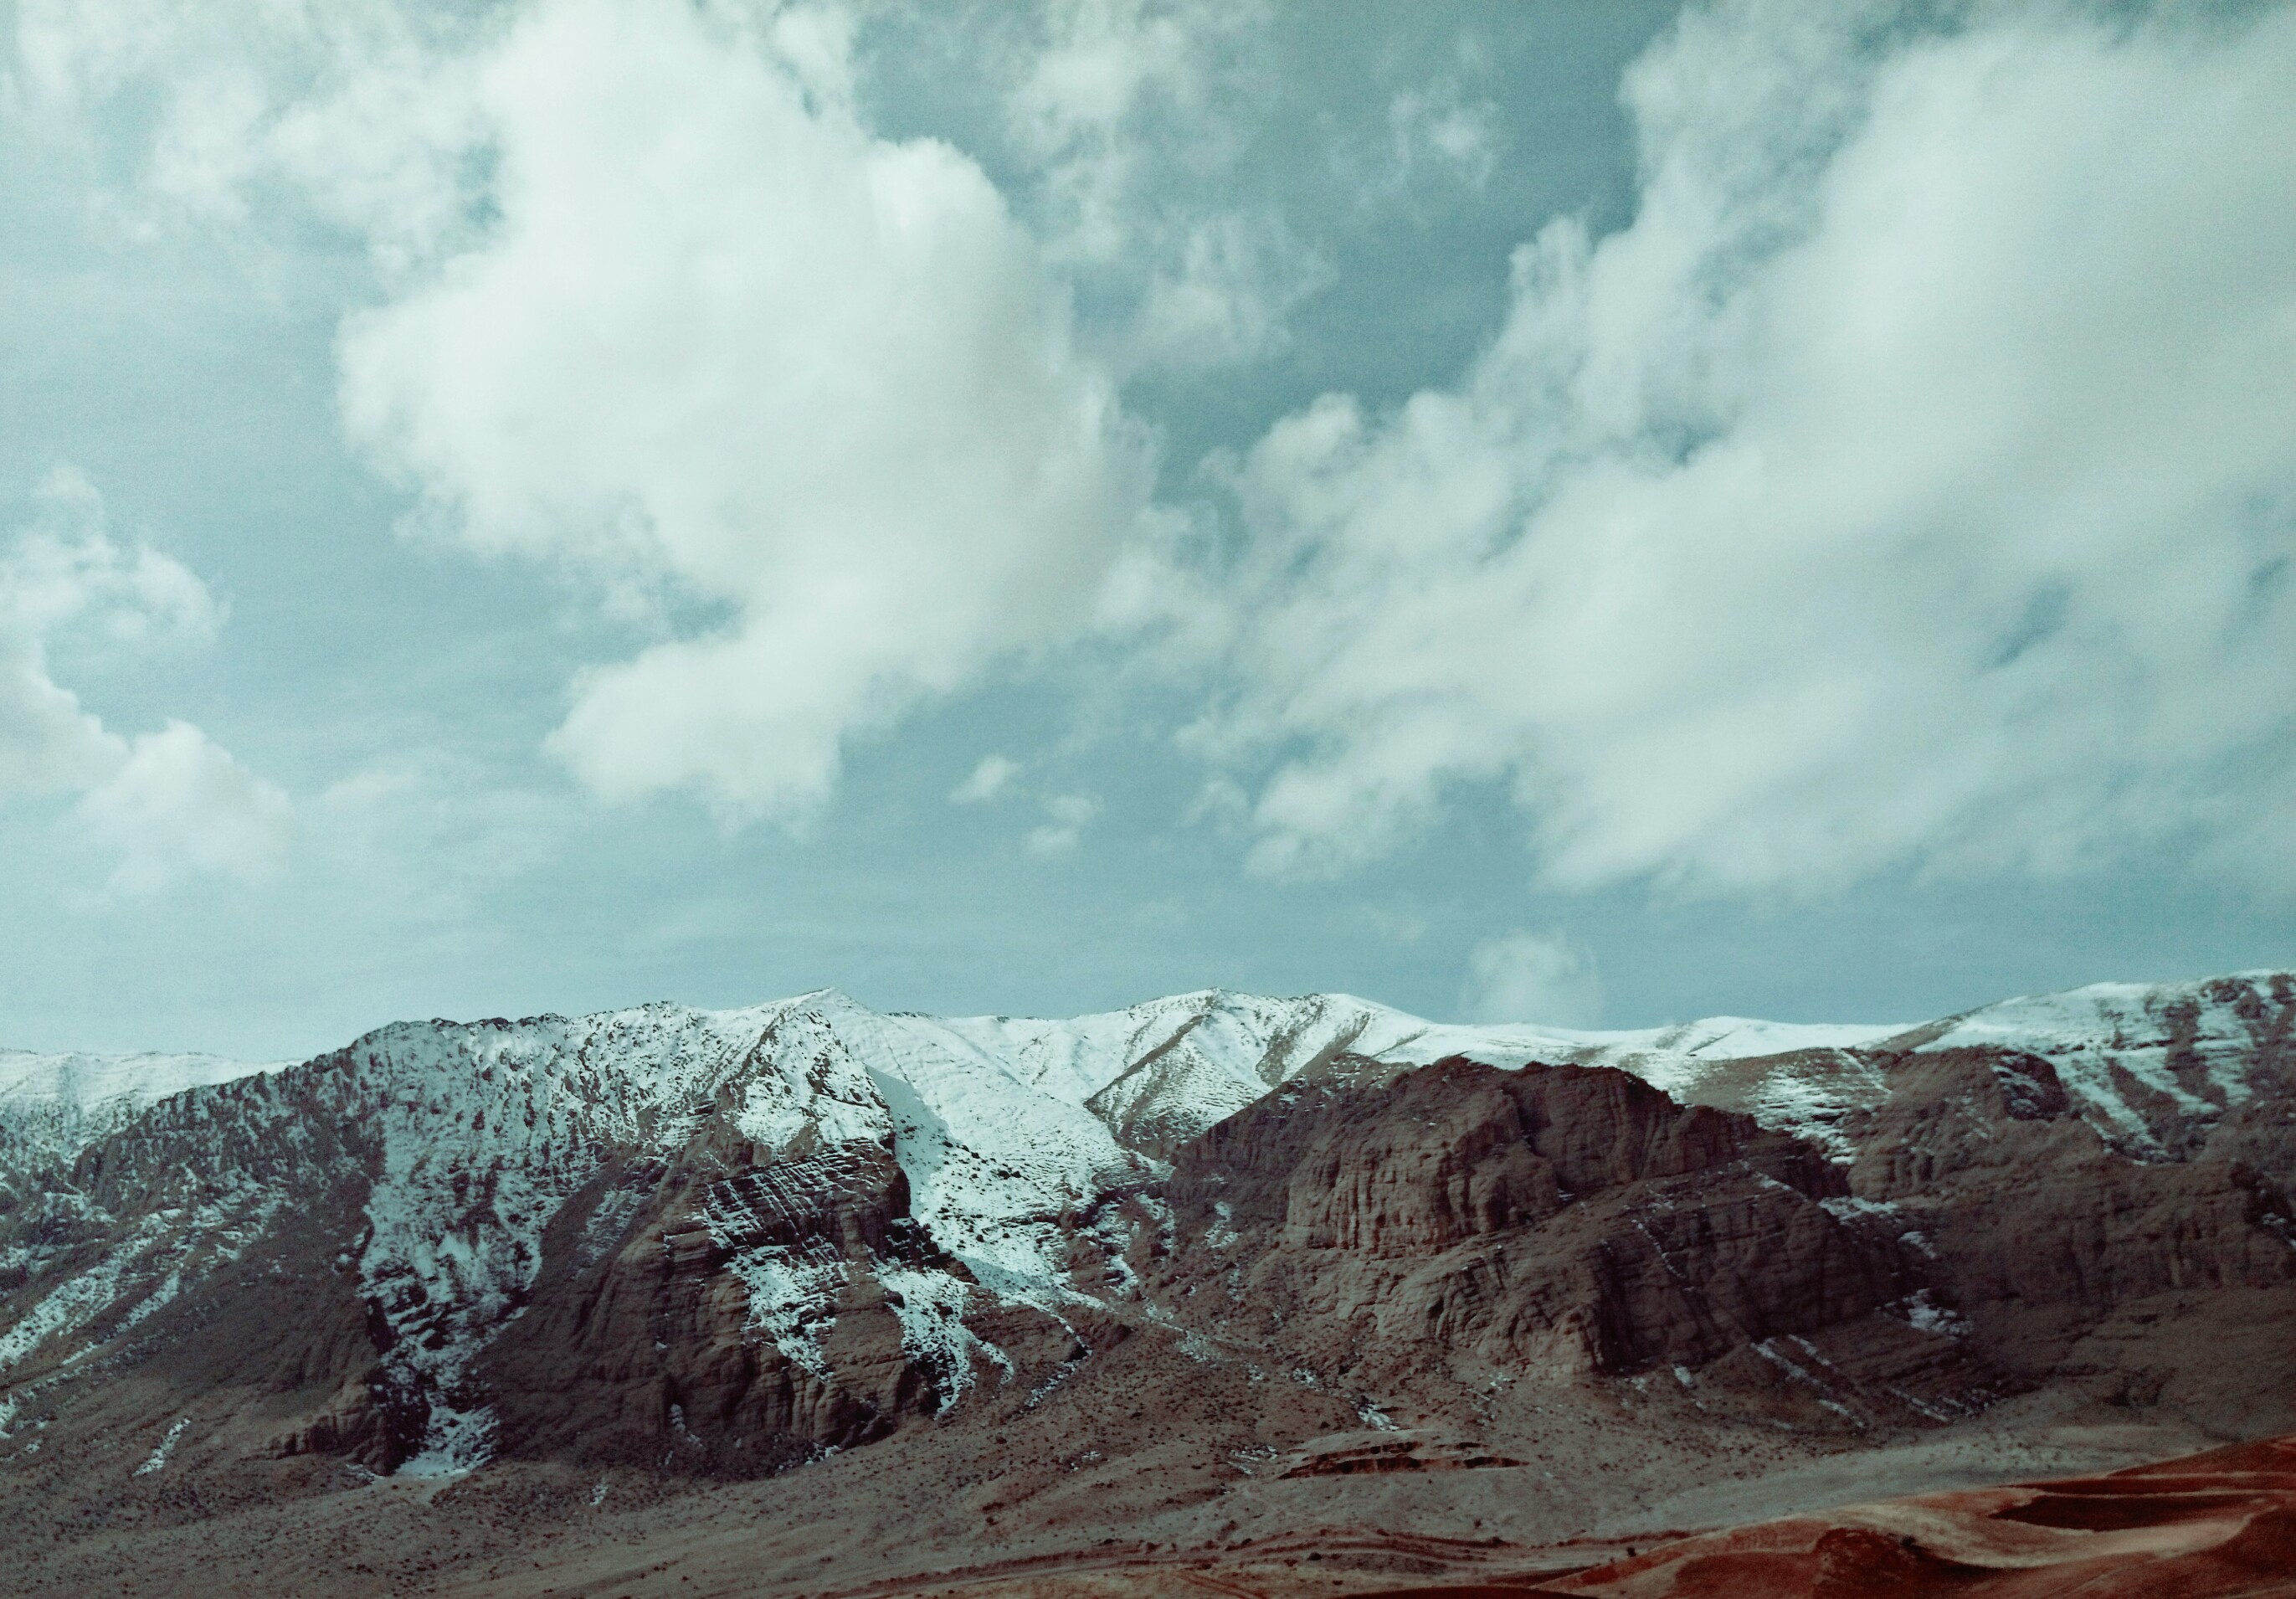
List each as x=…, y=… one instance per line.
x=1067, y=816
x=992, y=778
x=1547, y=977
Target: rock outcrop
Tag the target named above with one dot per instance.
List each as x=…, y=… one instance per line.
x=1562, y=1221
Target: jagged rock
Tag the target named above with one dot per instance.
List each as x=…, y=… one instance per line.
x=1557, y=1219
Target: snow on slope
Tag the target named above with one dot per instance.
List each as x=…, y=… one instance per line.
x=1002, y=1126
x=524, y=1109
x=89, y=1080
x=57, y=1104
x=1804, y=1077
x=521, y=1113
x=992, y=1158
x=2149, y=1065
x=1162, y=1072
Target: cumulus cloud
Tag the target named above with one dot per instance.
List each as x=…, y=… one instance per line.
x=64, y=576
x=169, y=804
x=1066, y=815
x=180, y=805
x=1519, y=976
x=1434, y=127
x=1910, y=483
x=365, y=103
x=1223, y=294
x=1913, y=482
x=1101, y=65
x=658, y=307
x=721, y=340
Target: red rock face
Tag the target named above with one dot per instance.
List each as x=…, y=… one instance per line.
x=644, y=1350
x=646, y=1353
x=2041, y=1235
x=1556, y=1219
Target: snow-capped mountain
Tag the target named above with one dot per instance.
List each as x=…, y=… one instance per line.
x=55, y=1104
x=807, y=1220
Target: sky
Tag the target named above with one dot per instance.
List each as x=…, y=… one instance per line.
x=1593, y=515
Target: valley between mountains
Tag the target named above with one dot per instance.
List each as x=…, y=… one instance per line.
x=1289, y=1295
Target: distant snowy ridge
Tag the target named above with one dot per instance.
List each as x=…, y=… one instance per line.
x=88, y=1080
x=52, y=1104
x=1154, y=1074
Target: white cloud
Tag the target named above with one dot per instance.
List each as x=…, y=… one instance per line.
x=657, y=307
x=991, y=778
x=65, y=572
x=63, y=577
x=366, y=101
x=170, y=803
x=47, y=743
x=722, y=340
x=1068, y=815
x=1100, y=63
x=180, y=805
x=1913, y=482
x=1548, y=978
x=1434, y=125
x=1910, y=483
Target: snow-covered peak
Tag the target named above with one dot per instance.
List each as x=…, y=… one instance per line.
x=85, y=1081
x=51, y=1105
x=1160, y=1072
x=2210, y=1014
x=2149, y=1064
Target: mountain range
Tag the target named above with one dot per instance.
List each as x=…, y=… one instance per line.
x=1211, y=1262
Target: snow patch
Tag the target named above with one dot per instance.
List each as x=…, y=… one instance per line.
x=79, y=1299
x=792, y=1298
x=1844, y=1208
x=455, y=1441
x=607, y=1222
x=929, y=1306
x=1924, y=1314
x=159, y=1457
x=2145, y=1063
x=1222, y=1234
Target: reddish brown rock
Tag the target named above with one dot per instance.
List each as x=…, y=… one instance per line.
x=1553, y=1221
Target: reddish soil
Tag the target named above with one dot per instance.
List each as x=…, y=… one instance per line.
x=2214, y=1526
